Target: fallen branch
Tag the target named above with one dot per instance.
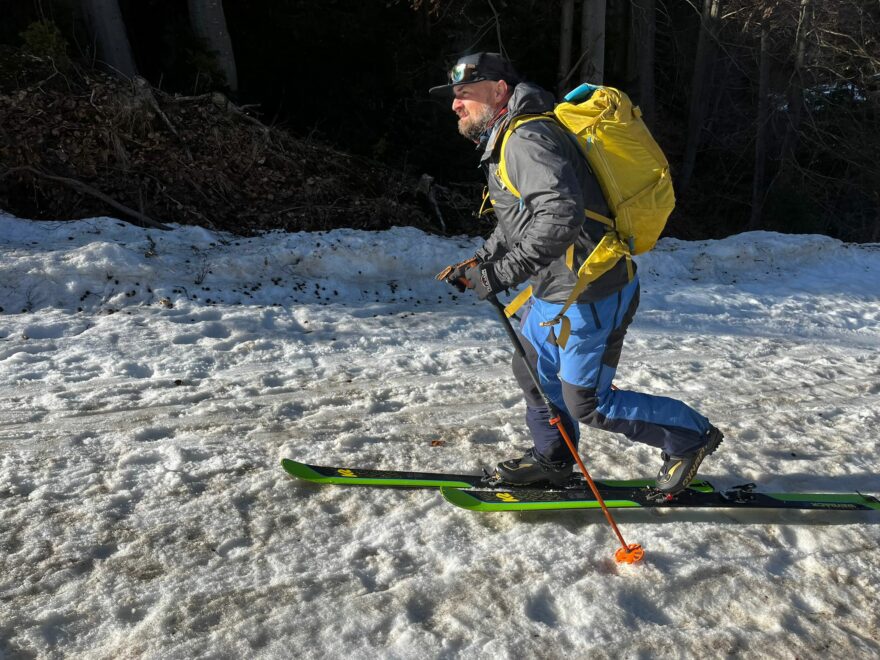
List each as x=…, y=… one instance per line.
x=142, y=220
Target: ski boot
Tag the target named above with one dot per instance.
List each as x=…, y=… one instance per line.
x=678, y=472
x=532, y=468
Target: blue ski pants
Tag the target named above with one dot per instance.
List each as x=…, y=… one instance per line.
x=578, y=380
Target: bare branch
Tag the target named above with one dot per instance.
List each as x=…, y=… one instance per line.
x=142, y=220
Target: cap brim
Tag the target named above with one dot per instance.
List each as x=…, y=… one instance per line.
x=441, y=90
x=447, y=90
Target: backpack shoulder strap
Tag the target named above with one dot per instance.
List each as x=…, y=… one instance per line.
x=502, y=163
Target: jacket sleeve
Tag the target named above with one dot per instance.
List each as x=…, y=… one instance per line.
x=542, y=171
x=494, y=247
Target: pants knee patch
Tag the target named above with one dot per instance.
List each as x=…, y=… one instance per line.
x=582, y=403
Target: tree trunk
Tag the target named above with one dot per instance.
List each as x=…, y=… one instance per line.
x=209, y=24
x=105, y=21
x=593, y=41
x=700, y=83
x=758, y=191
x=632, y=56
x=619, y=34
x=566, y=31
x=796, y=88
x=645, y=29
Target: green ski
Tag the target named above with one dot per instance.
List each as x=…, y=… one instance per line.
x=740, y=497
x=352, y=476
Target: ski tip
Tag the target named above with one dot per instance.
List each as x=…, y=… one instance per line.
x=299, y=470
x=461, y=498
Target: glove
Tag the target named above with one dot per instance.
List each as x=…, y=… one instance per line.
x=481, y=278
x=454, y=275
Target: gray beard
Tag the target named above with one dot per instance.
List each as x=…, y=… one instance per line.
x=473, y=127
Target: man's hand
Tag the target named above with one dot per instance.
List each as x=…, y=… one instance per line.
x=481, y=278
x=454, y=275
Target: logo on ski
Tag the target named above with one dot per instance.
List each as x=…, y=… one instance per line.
x=506, y=497
x=346, y=472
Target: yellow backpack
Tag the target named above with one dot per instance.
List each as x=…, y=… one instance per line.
x=632, y=172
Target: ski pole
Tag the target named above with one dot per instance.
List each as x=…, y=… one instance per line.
x=626, y=554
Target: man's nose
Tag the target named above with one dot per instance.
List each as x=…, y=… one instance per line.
x=456, y=104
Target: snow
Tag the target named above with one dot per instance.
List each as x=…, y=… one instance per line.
x=151, y=381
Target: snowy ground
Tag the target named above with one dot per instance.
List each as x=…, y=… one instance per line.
x=150, y=383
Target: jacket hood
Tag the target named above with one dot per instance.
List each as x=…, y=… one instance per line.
x=527, y=99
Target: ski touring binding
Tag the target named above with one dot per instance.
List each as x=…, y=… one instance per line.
x=740, y=494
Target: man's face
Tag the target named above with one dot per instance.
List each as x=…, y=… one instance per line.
x=476, y=104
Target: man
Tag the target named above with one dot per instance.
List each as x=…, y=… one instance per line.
x=533, y=233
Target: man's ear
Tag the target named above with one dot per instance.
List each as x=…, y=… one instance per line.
x=502, y=91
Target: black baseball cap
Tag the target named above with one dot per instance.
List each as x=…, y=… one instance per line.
x=475, y=68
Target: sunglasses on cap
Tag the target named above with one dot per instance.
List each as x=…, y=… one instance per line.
x=463, y=73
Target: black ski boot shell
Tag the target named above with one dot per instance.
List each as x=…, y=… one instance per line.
x=531, y=469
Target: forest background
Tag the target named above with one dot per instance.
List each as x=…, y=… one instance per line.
x=247, y=115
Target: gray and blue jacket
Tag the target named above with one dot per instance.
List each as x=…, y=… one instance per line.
x=547, y=166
